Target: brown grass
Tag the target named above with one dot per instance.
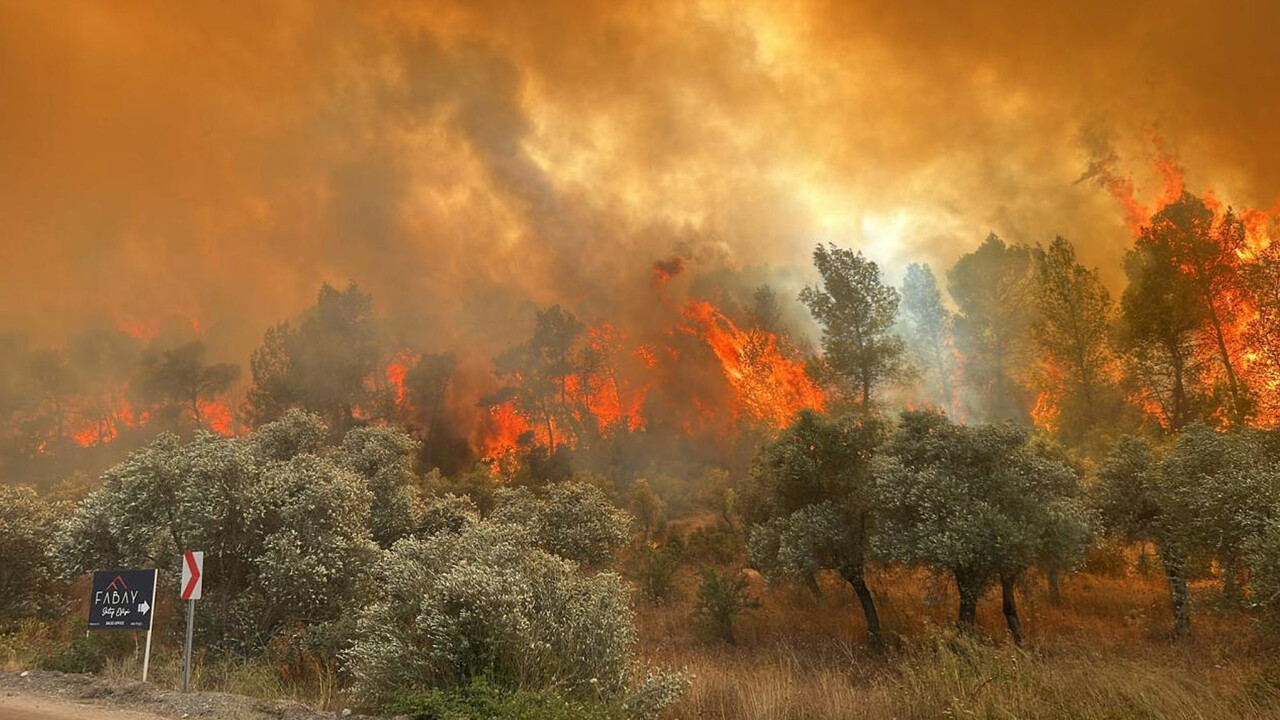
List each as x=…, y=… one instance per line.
x=1104, y=653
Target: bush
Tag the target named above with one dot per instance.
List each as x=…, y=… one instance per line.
x=716, y=544
x=383, y=457
x=722, y=598
x=573, y=520
x=1264, y=561
x=487, y=603
x=446, y=514
x=480, y=485
x=650, y=510
x=84, y=654
x=655, y=570
x=284, y=521
x=482, y=700
x=27, y=585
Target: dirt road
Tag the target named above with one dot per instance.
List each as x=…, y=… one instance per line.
x=26, y=707
x=45, y=695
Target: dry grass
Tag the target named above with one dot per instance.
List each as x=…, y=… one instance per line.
x=958, y=677
x=1104, y=653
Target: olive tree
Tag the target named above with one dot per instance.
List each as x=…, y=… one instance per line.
x=810, y=502
x=1234, y=489
x=1204, y=497
x=981, y=503
x=1263, y=556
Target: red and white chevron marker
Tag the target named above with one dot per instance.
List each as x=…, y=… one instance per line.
x=192, y=574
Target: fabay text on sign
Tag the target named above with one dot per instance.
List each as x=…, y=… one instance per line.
x=122, y=600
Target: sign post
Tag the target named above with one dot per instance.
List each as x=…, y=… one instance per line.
x=124, y=600
x=192, y=585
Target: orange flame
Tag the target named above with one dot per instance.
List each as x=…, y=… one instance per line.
x=767, y=385
x=1046, y=413
x=396, y=371
x=217, y=417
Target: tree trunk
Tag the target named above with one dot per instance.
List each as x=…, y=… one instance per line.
x=968, y=612
x=1233, y=383
x=1180, y=596
x=1230, y=583
x=1010, y=606
x=1055, y=586
x=943, y=379
x=868, y=608
x=969, y=593
x=551, y=435
x=811, y=582
x=428, y=441
x=1179, y=389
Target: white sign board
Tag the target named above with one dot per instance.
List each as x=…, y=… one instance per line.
x=192, y=574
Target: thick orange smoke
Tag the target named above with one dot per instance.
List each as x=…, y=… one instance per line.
x=218, y=161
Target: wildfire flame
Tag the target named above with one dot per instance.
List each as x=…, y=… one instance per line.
x=767, y=385
x=1239, y=311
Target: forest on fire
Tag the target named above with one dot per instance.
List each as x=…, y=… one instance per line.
x=527, y=523
x=1023, y=333
x=599, y=360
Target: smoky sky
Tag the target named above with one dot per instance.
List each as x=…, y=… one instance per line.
x=214, y=163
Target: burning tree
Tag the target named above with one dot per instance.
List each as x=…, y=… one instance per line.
x=180, y=378
x=1072, y=329
x=426, y=388
x=105, y=359
x=539, y=371
x=322, y=365
x=1261, y=279
x=1184, y=288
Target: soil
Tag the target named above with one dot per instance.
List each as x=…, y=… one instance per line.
x=46, y=695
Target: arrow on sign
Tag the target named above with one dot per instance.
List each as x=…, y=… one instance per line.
x=143, y=607
x=192, y=587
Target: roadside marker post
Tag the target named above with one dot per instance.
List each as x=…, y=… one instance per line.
x=146, y=655
x=192, y=587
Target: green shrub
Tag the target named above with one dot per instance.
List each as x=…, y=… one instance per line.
x=722, y=598
x=81, y=655
x=27, y=580
x=487, y=602
x=284, y=520
x=655, y=570
x=482, y=700
x=717, y=544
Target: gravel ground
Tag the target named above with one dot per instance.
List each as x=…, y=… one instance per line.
x=88, y=691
